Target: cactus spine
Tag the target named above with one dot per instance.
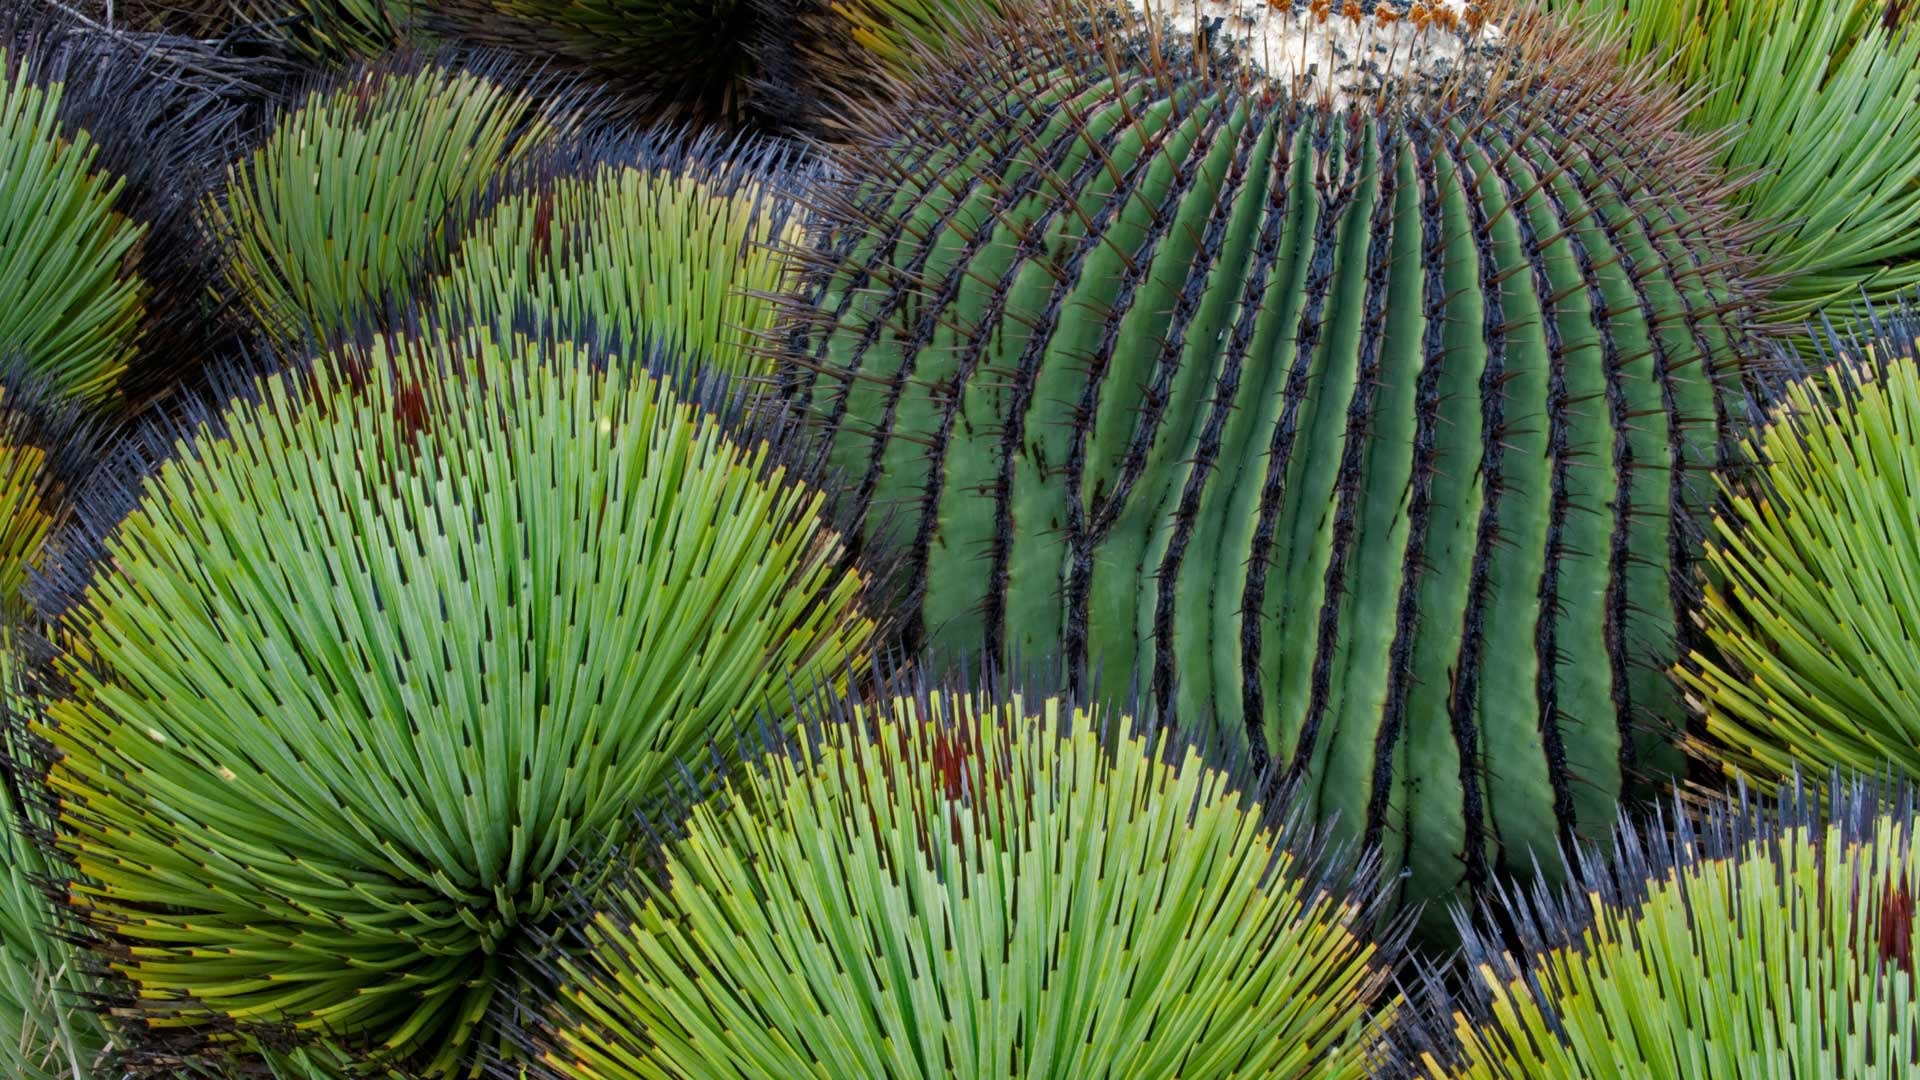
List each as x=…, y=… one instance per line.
x=1365, y=426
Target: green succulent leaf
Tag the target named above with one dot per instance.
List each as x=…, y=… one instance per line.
x=1811, y=655
x=371, y=672
x=359, y=192
x=683, y=256
x=951, y=886
x=1767, y=944
x=1817, y=101
x=45, y=1031
x=70, y=306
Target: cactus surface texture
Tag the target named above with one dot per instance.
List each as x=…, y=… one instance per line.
x=1366, y=428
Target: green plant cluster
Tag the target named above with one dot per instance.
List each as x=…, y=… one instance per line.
x=756, y=539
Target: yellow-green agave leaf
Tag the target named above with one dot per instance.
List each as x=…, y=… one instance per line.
x=391, y=653
x=70, y=305
x=945, y=885
x=46, y=1032
x=1812, y=615
x=1765, y=943
x=360, y=191
x=676, y=253
x=1817, y=104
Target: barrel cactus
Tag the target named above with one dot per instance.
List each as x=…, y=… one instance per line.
x=1811, y=650
x=662, y=244
x=382, y=660
x=359, y=192
x=969, y=886
x=1768, y=942
x=1364, y=428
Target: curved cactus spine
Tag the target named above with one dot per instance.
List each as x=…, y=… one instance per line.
x=1367, y=426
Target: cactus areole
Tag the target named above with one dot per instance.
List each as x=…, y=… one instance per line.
x=1368, y=428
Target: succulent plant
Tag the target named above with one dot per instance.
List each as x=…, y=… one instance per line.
x=837, y=50
x=384, y=659
x=1766, y=942
x=1365, y=428
x=44, y=449
x=667, y=59
x=45, y=1033
x=940, y=885
x=668, y=245
x=357, y=194
x=1817, y=101
x=1811, y=650
x=70, y=310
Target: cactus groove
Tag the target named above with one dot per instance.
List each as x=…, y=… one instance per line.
x=1366, y=431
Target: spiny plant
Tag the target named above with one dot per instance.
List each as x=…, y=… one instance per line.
x=667, y=59
x=662, y=244
x=1811, y=655
x=337, y=30
x=151, y=125
x=43, y=449
x=322, y=31
x=1766, y=942
x=70, y=307
x=1819, y=98
x=385, y=658
x=835, y=48
x=356, y=194
x=940, y=885
x=45, y=1031
x=1366, y=428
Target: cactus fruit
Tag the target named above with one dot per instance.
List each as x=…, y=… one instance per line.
x=1363, y=426
x=667, y=246
x=390, y=653
x=1811, y=650
x=969, y=886
x=1764, y=943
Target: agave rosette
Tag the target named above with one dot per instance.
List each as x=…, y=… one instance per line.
x=939, y=885
x=382, y=660
x=1811, y=650
x=1766, y=941
x=359, y=191
x=668, y=244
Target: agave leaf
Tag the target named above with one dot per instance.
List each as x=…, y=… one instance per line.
x=1817, y=100
x=69, y=308
x=1765, y=942
x=378, y=664
x=681, y=250
x=46, y=1032
x=943, y=885
x=355, y=194
x=1811, y=656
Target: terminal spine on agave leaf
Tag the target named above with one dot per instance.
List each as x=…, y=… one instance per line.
x=1364, y=427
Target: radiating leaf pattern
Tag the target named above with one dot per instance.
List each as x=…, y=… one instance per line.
x=958, y=886
x=376, y=667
